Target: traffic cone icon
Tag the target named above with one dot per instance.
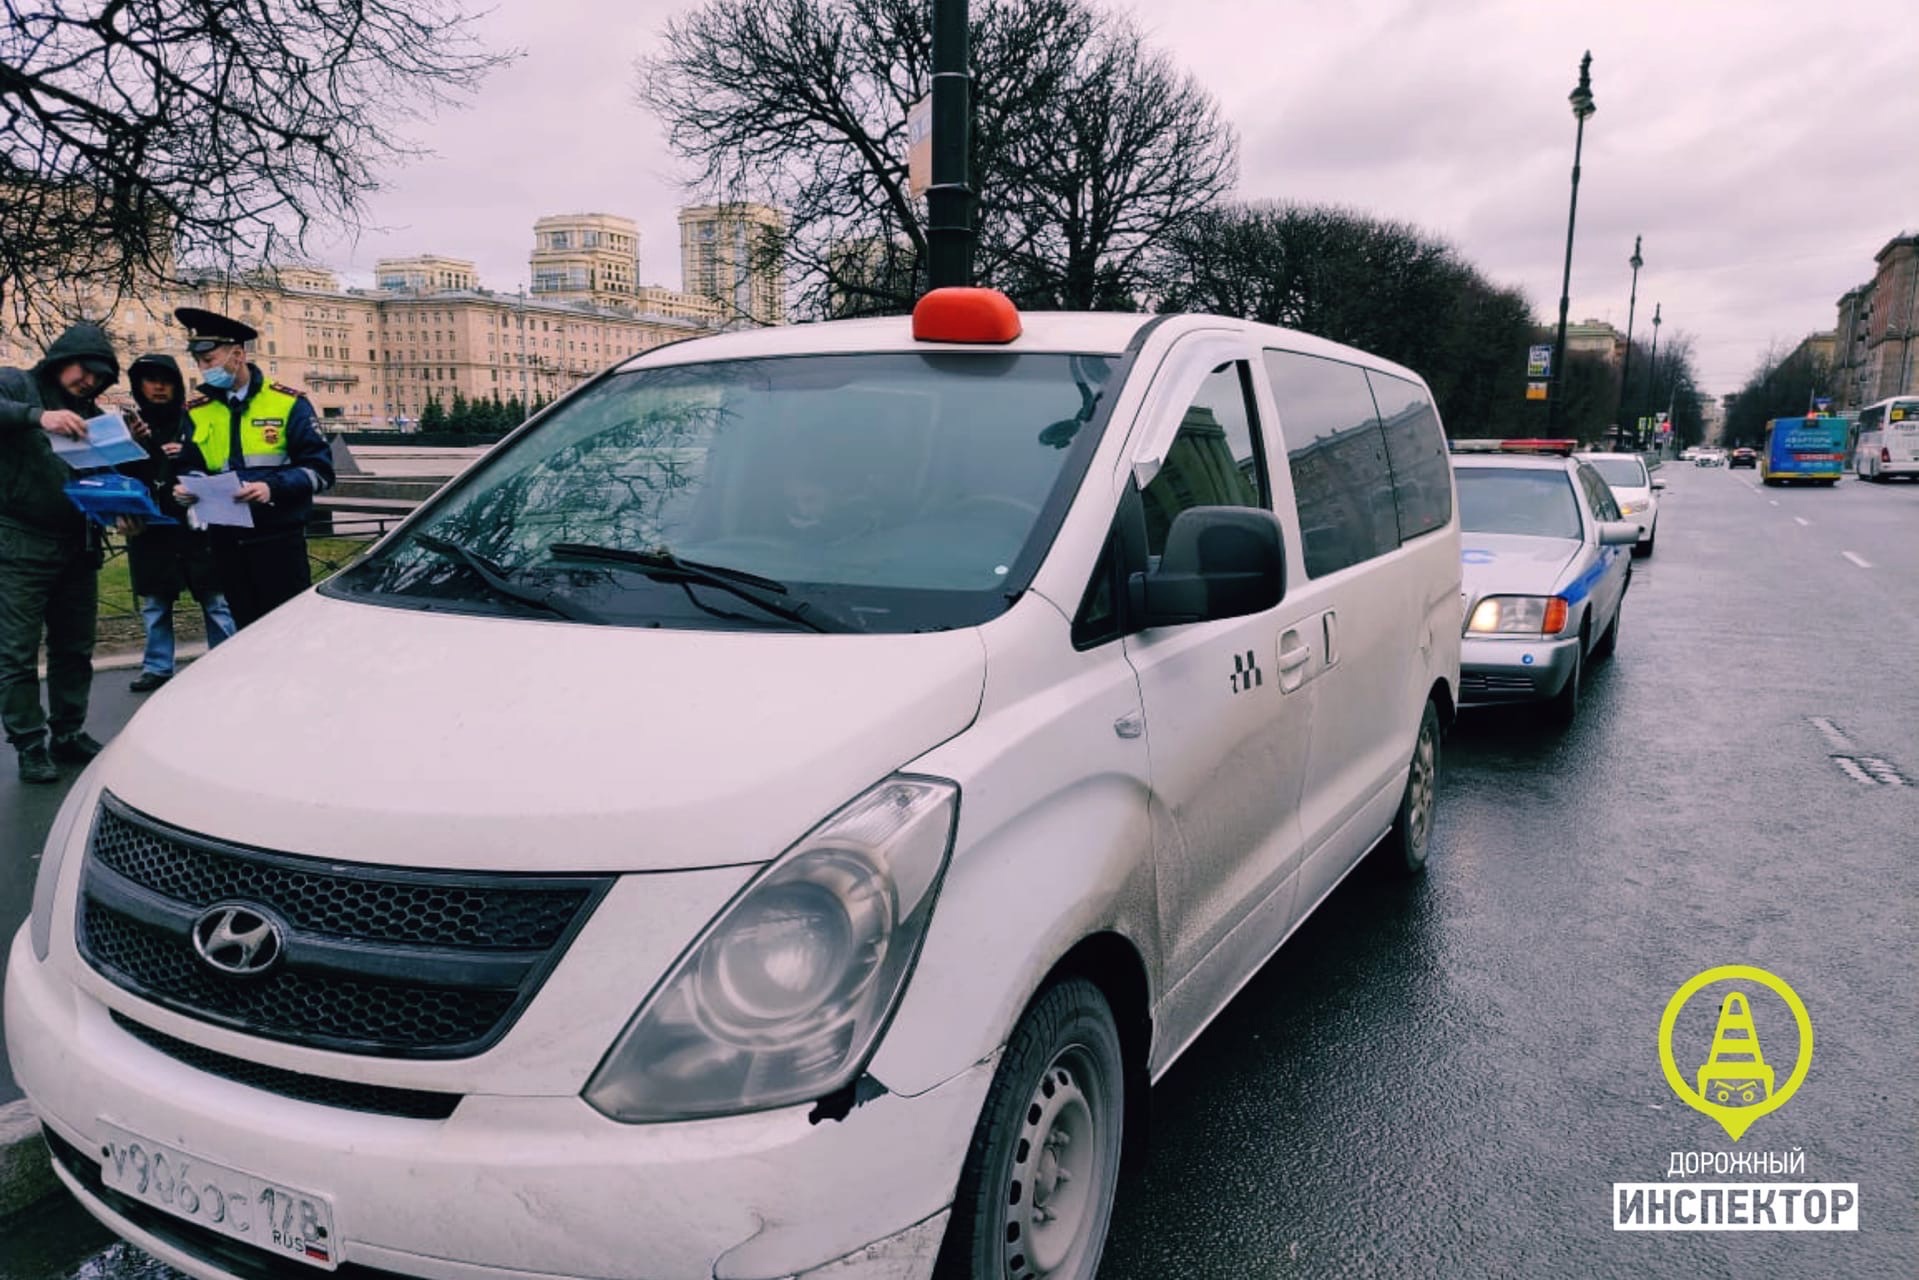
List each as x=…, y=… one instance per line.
x=1735, y=1073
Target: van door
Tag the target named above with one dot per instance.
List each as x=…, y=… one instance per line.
x=1343, y=486
x=1228, y=703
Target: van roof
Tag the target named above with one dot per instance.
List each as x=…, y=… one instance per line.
x=1081, y=332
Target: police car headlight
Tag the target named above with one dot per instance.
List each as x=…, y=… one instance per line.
x=1631, y=508
x=52, y=855
x=784, y=997
x=1519, y=615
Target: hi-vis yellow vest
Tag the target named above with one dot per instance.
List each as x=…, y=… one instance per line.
x=263, y=430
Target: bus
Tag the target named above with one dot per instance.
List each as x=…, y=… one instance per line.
x=1888, y=442
x=1804, y=449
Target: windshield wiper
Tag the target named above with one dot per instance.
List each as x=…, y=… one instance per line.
x=663, y=564
x=494, y=576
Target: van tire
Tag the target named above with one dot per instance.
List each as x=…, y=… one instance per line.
x=1409, y=840
x=1058, y=1101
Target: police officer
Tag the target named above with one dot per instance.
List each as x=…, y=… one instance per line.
x=268, y=433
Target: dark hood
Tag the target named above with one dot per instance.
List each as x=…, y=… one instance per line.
x=80, y=341
x=156, y=364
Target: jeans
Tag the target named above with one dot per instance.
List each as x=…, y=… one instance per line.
x=157, y=613
x=48, y=583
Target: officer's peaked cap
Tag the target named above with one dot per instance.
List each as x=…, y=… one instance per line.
x=209, y=329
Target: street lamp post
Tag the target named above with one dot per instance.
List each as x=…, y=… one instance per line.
x=1625, y=366
x=949, y=200
x=1652, y=379
x=1582, y=99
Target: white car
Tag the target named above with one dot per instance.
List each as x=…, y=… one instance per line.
x=774, y=816
x=1635, y=489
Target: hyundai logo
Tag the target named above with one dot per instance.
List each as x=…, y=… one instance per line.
x=239, y=939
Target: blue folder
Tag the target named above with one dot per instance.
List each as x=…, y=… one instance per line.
x=105, y=497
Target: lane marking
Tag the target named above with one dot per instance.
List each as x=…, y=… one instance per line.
x=1854, y=772
x=1861, y=561
x=1881, y=770
x=1832, y=734
x=1774, y=501
x=1802, y=520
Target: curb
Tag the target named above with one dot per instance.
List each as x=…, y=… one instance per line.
x=26, y=1174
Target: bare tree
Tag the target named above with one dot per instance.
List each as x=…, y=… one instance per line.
x=140, y=135
x=1386, y=287
x=1087, y=145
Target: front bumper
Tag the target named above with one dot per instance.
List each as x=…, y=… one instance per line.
x=1494, y=669
x=506, y=1188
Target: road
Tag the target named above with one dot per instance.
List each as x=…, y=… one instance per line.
x=1444, y=1078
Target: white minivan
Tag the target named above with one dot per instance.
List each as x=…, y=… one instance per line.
x=774, y=816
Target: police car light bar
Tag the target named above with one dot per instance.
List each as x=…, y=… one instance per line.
x=1555, y=448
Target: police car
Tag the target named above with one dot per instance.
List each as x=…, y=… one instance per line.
x=1547, y=558
x=774, y=816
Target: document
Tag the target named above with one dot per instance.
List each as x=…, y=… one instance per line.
x=216, y=503
x=108, y=444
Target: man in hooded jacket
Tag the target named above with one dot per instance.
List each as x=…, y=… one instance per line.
x=165, y=560
x=49, y=555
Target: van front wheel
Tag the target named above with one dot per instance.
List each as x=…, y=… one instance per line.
x=1410, y=839
x=1036, y=1192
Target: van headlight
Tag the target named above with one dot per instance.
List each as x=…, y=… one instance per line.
x=52, y=855
x=785, y=995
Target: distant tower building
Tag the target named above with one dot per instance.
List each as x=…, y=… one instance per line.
x=586, y=257
x=428, y=273
x=730, y=252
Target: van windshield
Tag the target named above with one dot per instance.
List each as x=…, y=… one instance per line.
x=1621, y=473
x=879, y=492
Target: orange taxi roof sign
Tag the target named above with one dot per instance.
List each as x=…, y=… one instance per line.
x=965, y=315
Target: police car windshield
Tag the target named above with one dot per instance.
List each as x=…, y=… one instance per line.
x=894, y=491
x=1538, y=502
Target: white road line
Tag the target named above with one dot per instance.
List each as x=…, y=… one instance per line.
x=1854, y=772
x=1831, y=733
x=1774, y=501
x=1802, y=520
x=1881, y=770
x=1861, y=561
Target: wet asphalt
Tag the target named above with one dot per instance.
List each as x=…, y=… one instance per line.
x=1444, y=1077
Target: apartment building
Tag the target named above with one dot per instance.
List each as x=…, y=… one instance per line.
x=1876, y=352
x=730, y=252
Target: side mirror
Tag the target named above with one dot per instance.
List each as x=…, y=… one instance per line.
x=1658, y=484
x=1618, y=533
x=1219, y=562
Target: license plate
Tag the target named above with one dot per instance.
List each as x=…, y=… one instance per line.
x=277, y=1218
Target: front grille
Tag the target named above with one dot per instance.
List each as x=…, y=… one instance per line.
x=349, y=1095
x=1485, y=684
x=377, y=960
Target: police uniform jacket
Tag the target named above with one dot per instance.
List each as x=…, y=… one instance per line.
x=270, y=433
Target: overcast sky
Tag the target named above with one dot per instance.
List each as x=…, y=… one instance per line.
x=1766, y=149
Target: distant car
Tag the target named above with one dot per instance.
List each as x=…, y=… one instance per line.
x=1709, y=458
x=1743, y=457
x=1542, y=546
x=1635, y=490
x=1689, y=455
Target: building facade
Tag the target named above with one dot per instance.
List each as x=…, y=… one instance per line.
x=730, y=252
x=424, y=273
x=1876, y=354
x=1596, y=337
x=585, y=257
x=372, y=358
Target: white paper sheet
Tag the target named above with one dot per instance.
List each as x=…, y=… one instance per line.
x=216, y=504
x=108, y=444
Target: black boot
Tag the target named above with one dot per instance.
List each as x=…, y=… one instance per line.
x=75, y=748
x=36, y=765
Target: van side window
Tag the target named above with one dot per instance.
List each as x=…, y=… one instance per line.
x=1416, y=451
x=1213, y=462
x=1342, y=482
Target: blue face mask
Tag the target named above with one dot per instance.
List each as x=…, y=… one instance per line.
x=219, y=377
